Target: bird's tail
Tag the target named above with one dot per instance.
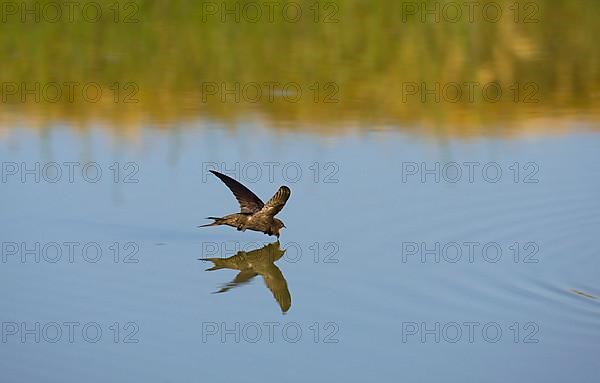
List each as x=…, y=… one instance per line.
x=218, y=221
x=219, y=263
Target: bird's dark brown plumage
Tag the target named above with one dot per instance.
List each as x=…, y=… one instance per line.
x=249, y=202
x=254, y=213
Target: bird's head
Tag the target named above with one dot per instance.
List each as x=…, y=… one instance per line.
x=278, y=225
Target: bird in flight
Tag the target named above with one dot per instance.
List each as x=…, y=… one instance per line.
x=257, y=262
x=254, y=214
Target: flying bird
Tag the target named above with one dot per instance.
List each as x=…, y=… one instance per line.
x=254, y=214
x=257, y=262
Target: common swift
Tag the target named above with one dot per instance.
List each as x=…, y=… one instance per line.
x=255, y=214
x=257, y=262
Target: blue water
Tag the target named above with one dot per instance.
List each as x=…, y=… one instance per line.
x=371, y=294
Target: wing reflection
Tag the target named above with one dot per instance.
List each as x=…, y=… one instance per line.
x=257, y=262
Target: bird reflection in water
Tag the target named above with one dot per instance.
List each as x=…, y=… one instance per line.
x=257, y=262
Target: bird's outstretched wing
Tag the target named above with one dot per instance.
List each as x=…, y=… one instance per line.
x=243, y=277
x=276, y=282
x=277, y=202
x=249, y=202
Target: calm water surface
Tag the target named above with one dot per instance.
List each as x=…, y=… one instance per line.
x=377, y=262
x=431, y=236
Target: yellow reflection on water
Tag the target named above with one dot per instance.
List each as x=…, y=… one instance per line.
x=504, y=67
x=256, y=262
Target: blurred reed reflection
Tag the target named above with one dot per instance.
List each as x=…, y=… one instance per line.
x=350, y=64
x=257, y=262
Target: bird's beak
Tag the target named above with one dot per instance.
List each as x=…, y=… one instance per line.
x=284, y=225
